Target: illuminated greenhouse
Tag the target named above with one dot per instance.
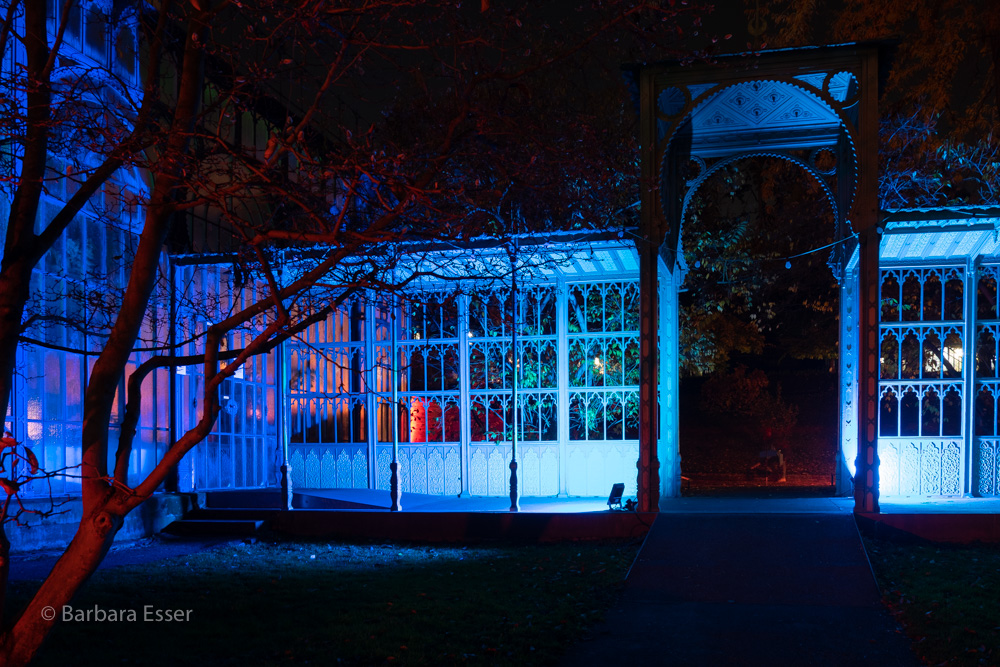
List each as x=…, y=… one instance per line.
x=549, y=362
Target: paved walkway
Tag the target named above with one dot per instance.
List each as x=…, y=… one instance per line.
x=743, y=588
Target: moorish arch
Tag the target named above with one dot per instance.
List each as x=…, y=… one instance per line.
x=707, y=172
x=816, y=108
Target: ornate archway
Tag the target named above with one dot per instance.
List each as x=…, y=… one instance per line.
x=816, y=107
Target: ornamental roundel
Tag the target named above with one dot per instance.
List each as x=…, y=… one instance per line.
x=672, y=101
x=843, y=87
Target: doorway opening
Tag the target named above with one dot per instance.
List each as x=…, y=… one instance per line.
x=758, y=315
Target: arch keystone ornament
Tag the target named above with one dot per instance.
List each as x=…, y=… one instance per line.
x=814, y=107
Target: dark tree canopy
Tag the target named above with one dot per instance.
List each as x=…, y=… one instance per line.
x=745, y=223
x=940, y=106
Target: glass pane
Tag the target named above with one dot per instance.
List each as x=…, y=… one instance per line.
x=595, y=418
x=595, y=310
x=953, y=356
x=632, y=416
x=951, y=413
x=451, y=367
x=496, y=316
x=415, y=371
x=631, y=307
x=357, y=322
x=496, y=421
x=452, y=422
x=986, y=355
x=527, y=313
x=96, y=23
x=417, y=321
x=577, y=317
x=528, y=372
x=911, y=299
x=418, y=421
x=577, y=418
x=889, y=356
x=596, y=363
x=477, y=317
x=910, y=357
x=435, y=422
x=930, y=414
x=477, y=421
x=495, y=363
x=577, y=365
x=985, y=418
x=954, y=292
x=909, y=414
x=888, y=418
x=529, y=423
x=548, y=419
x=614, y=414
x=932, y=298
x=614, y=364
x=125, y=50
x=477, y=369
x=450, y=318
x=986, y=298
x=547, y=362
x=547, y=313
x=890, y=298
x=433, y=318
x=631, y=363
x=931, y=365
x=613, y=320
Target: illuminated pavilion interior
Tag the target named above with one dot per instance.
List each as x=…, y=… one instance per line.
x=576, y=397
x=938, y=333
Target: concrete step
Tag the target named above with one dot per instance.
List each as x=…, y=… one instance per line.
x=245, y=498
x=215, y=527
x=219, y=514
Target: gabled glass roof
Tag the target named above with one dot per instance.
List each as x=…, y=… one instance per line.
x=548, y=258
x=939, y=234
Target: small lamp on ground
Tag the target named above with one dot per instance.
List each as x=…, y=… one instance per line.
x=615, y=498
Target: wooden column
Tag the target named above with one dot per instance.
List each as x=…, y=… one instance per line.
x=649, y=465
x=648, y=246
x=866, y=466
x=866, y=221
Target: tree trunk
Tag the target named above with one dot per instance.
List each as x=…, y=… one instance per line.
x=4, y=566
x=74, y=567
x=14, y=292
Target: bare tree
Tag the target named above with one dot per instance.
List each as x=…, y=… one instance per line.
x=314, y=139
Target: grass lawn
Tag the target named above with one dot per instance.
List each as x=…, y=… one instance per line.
x=946, y=596
x=273, y=603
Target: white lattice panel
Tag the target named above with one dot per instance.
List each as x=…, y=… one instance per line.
x=537, y=470
x=920, y=467
x=327, y=467
x=988, y=465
